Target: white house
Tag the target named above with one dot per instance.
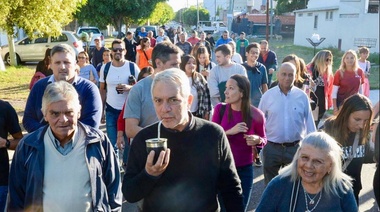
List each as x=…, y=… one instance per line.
x=345, y=24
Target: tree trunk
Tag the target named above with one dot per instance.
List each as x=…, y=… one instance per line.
x=11, y=46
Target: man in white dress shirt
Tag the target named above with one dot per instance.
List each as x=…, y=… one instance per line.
x=288, y=120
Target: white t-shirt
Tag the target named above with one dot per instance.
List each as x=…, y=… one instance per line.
x=194, y=105
x=115, y=76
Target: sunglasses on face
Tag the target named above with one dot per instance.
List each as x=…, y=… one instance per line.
x=117, y=49
x=81, y=57
x=328, y=59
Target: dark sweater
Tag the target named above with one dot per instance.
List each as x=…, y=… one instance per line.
x=201, y=165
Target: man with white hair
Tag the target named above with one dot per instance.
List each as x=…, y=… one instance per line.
x=195, y=167
x=288, y=120
x=64, y=165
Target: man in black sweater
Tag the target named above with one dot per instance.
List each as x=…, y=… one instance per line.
x=197, y=164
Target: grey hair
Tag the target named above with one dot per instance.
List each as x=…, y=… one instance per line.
x=59, y=91
x=63, y=48
x=174, y=76
x=334, y=182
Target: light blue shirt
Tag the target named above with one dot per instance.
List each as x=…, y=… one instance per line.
x=86, y=71
x=65, y=149
x=288, y=117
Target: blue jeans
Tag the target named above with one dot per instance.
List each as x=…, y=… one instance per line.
x=246, y=177
x=3, y=197
x=112, y=115
x=125, y=151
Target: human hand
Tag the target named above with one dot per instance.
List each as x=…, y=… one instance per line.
x=335, y=112
x=161, y=164
x=238, y=128
x=270, y=71
x=252, y=140
x=120, y=142
x=205, y=72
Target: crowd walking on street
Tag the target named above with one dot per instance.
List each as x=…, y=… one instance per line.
x=186, y=133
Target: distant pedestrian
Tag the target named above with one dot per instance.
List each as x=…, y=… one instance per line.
x=130, y=47
x=184, y=45
x=87, y=70
x=244, y=126
x=241, y=44
x=348, y=79
x=288, y=120
x=114, y=87
x=365, y=65
x=97, y=52
x=201, y=105
x=224, y=39
x=193, y=39
x=269, y=59
x=222, y=72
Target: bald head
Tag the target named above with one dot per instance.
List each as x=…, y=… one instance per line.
x=286, y=76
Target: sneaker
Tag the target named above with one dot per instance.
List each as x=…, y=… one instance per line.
x=257, y=162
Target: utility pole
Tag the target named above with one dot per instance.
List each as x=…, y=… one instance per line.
x=197, y=16
x=267, y=22
x=230, y=15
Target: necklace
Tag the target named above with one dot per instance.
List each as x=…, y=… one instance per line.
x=311, y=202
x=307, y=197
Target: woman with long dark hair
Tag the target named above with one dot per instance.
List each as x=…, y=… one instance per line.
x=204, y=65
x=350, y=128
x=245, y=128
x=201, y=106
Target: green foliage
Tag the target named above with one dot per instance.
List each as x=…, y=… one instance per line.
x=43, y=16
x=285, y=6
x=162, y=14
x=116, y=12
x=190, y=15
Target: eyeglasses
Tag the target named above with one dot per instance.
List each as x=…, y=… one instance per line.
x=118, y=49
x=328, y=59
x=81, y=57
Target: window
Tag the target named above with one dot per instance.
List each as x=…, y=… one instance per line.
x=61, y=38
x=373, y=6
x=300, y=14
x=315, y=22
x=41, y=40
x=309, y=14
x=329, y=15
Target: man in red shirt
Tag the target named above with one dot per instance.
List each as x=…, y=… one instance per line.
x=194, y=38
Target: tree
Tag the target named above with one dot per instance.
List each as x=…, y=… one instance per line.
x=285, y=6
x=162, y=14
x=116, y=12
x=36, y=17
x=189, y=15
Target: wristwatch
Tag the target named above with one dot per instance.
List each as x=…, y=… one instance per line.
x=7, y=143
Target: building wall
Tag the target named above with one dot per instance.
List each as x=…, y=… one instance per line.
x=349, y=21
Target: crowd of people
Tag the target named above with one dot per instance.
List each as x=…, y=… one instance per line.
x=218, y=120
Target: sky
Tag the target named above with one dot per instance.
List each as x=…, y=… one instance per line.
x=178, y=4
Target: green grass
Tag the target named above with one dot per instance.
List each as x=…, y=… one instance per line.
x=14, y=83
